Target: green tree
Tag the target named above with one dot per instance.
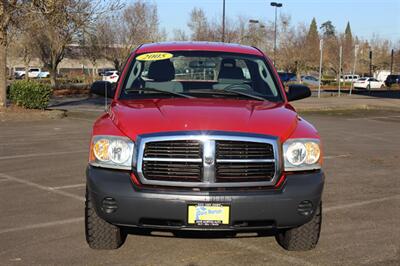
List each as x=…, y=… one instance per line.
x=348, y=55
x=328, y=29
x=312, y=45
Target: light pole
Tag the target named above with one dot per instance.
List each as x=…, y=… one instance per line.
x=340, y=67
x=253, y=31
x=276, y=5
x=391, y=62
x=354, y=67
x=223, y=21
x=321, y=47
x=255, y=21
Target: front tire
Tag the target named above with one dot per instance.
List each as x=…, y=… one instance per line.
x=304, y=237
x=99, y=233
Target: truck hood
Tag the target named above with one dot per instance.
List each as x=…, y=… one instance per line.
x=138, y=117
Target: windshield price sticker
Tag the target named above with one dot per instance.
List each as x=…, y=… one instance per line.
x=154, y=56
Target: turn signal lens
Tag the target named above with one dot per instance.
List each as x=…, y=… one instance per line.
x=100, y=150
x=313, y=152
x=302, y=154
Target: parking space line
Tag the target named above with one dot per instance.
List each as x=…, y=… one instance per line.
x=69, y=186
x=82, y=119
x=373, y=117
x=41, y=225
x=40, y=154
x=360, y=203
x=281, y=257
x=29, y=183
x=336, y=156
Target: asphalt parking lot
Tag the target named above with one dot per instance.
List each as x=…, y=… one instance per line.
x=42, y=175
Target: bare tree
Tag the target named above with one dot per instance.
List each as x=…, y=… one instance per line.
x=179, y=35
x=58, y=24
x=9, y=10
x=119, y=34
x=199, y=25
x=91, y=48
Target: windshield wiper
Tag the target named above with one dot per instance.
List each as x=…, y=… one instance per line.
x=230, y=91
x=242, y=93
x=161, y=91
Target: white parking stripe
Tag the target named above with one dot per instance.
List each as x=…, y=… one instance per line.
x=82, y=119
x=336, y=156
x=69, y=186
x=29, y=183
x=41, y=225
x=279, y=256
x=360, y=203
x=373, y=117
x=40, y=154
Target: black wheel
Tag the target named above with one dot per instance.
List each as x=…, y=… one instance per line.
x=304, y=237
x=99, y=233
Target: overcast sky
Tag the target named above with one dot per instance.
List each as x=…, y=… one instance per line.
x=367, y=17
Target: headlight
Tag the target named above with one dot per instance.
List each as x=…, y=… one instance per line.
x=111, y=152
x=302, y=154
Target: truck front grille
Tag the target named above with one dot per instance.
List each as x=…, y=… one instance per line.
x=207, y=160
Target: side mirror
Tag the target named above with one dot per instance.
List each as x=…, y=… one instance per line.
x=103, y=88
x=298, y=92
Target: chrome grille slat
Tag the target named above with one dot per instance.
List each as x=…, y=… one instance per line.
x=172, y=171
x=173, y=149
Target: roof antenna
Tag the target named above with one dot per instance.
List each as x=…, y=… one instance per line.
x=105, y=96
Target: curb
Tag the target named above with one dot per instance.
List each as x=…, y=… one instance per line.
x=356, y=107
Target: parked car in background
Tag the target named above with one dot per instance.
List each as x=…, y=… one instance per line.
x=392, y=79
x=349, y=78
x=111, y=76
x=368, y=83
x=286, y=76
x=32, y=73
x=381, y=75
x=103, y=71
x=310, y=80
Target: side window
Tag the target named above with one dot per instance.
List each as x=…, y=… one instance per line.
x=245, y=70
x=266, y=76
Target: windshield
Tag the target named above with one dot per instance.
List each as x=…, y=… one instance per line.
x=198, y=74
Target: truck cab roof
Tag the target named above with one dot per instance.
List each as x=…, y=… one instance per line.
x=198, y=46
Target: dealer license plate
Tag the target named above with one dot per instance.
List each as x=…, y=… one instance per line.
x=208, y=214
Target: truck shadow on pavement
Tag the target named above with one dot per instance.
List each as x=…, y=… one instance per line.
x=200, y=234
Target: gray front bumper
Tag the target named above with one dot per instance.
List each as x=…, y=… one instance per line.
x=280, y=207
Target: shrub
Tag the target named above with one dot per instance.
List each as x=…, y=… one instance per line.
x=30, y=94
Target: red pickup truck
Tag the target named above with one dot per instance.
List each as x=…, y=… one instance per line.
x=201, y=136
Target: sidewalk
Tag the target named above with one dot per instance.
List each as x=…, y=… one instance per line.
x=78, y=104
x=95, y=105
x=347, y=102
